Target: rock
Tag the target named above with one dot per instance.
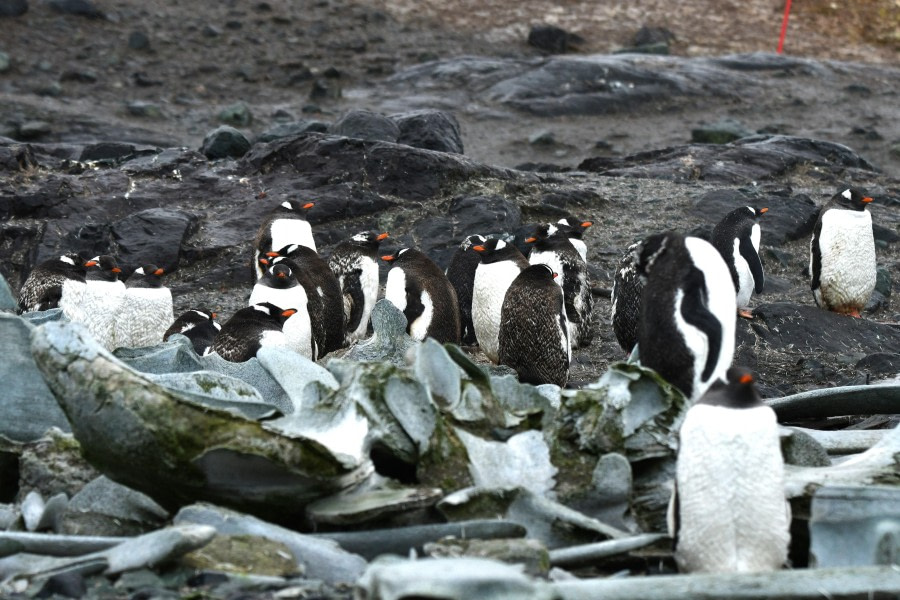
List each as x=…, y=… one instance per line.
x=236, y=115
x=176, y=355
x=214, y=390
x=294, y=372
x=371, y=506
x=8, y=302
x=138, y=40
x=80, y=8
x=105, y=508
x=5, y=60
x=880, y=363
x=608, y=499
x=243, y=554
x=143, y=109
x=366, y=125
x=13, y=8
x=553, y=39
x=30, y=130
x=883, y=281
x=720, y=132
x=28, y=405
x=112, y=151
x=32, y=510
x=152, y=236
x=648, y=35
x=51, y=544
x=800, y=448
x=224, y=142
x=523, y=460
x=529, y=554
x=430, y=130
x=543, y=137
x=53, y=465
x=253, y=373
x=68, y=585
x=293, y=128
x=854, y=526
x=316, y=558
x=845, y=441
x=847, y=400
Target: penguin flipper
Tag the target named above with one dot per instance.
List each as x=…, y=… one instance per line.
x=673, y=521
x=749, y=253
x=353, y=289
x=50, y=298
x=815, y=267
x=694, y=309
x=414, y=307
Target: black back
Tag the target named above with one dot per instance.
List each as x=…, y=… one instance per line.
x=342, y=263
x=240, y=337
x=461, y=274
x=198, y=325
x=423, y=274
x=626, y=298
x=43, y=287
x=738, y=224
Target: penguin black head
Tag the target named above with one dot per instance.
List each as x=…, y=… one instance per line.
x=651, y=248
x=368, y=239
x=397, y=255
x=539, y=273
x=103, y=267
x=297, y=208
x=280, y=275
x=574, y=228
x=70, y=263
x=471, y=241
x=268, y=311
x=852, y=199
x=739, y=391
x=496, y=250
x=148, y=276
x=294, y=252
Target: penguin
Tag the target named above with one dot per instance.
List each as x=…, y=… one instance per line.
x=461, y=274
x=575, y=232
x=53, y=283
x=500, y=264
x=286, y=225
x=553, y=247
x=198, y=325
x=842, y=253
x=626, y=299
x=323, y=293
x=104, y=294
x=420, y=289
x=249, y=329
x=688, y=311
x=728, y=511
x=279, y=286
x=355, y=264
x=736, y=237
x=146, y=311
x=533, y=337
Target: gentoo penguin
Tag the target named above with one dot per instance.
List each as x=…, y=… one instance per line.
x=420, y=289
x=198, y=325
x=461, y=274
x=500, y=264
x=323, y=292
x=736, y=237
x=249, y=329
x=575, y=232
x=279, y=286
x=533, y=336
x=842, y=253
x=355, y=264
x=53, y=283
x=626, y=299
x=688, y=311
x=728, y=511
x=146, y=311
x=103, y=296
x=286, y=225
x=553, y=248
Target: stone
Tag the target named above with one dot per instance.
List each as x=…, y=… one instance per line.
x=720, y=132
x=253, y=373
x=138, y=40
x=648, y=35
x=880, y=363
x=430, y=130
x=224, y=142
x=8, y=302
x=215, y=390
x=114, y=151
x=68, y=585
x=244, y=554
x=106, y=508
x=389, y=341
x=531, y=555
x=13, y=8
x=53, y=465
x=143, y=109
x=236, y=115
x=553, y=39
x=5, y=60
x=152, y=236
x=283, y=130
x=845, y=441
x=294, y=372
x=80, y=8
x=367, y=506
x=31, y=130
x=176, y=355
x=847, y=400
x=855, y=526
x=366, y=125
x=800, y=448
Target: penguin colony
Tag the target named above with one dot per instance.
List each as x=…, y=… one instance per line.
x=675, y=301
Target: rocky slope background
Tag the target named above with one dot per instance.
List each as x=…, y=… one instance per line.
x=167, y=134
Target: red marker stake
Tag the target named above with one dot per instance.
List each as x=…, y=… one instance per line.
x=784, y=23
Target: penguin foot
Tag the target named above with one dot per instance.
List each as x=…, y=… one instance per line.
x=745, y=313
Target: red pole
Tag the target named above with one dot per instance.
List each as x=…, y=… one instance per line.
x=784, y=23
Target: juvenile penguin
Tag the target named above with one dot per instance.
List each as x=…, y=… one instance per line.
x=53, y=283
x=728, y=511
x=286, y=225
x=688, y=311
x=420, y=289
x=842, y=253
x=249, y=329
x=104, y=294
x=198, y=325
x=279, y=286
x=500, y=264
x=533, y=336
x=355, y=264
x=461, y=274
x=575, y=232
x=323, y=292
x=553, y=248
x=146, y=310
x=627, y=290
x=736, y=237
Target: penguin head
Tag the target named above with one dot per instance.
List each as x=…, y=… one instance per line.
x=72, y=263
x=267, y=311
x=540, y=272
x=402, y=253
x=149, y=276
x=471, y=241
x=650, y=249
x=541, y=233
x=369, y=239
x=294, y=207
x=737, y=391
x=758, y=212
x=291, y=251
x=852, y=199
x=496, y=250
x=103, y=267
x=574, y=228
x=200, y=314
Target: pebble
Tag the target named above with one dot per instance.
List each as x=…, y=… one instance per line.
x=225, y=142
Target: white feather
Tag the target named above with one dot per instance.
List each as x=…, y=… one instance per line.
x=395, y=288
x=101, y=303
x=418, y=329
x=146, y=314
x=291, y=231
x=368, y=280
x=847, y=244
x=488, y=291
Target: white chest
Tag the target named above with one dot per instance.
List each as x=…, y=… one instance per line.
x=291, y=231
x=488, y=291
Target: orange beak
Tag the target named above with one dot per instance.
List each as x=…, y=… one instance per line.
x=214, y=315
x=555, y=275
x=159, y=272
x=530, y=240
x=747, y=378
x=587, y=224
x=288, y=312
x=272, y=254
x=478, y=248
x=763, y=211
x=116, y=270
x=281, y=275
x=91, y=263
x=388, y=257
x=309, y=205
x=264, y=261
x=381, y=236
x=867, y=200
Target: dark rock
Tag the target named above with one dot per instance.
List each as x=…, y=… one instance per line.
x=236, y=115
x=4, y=62
x=801, y=449
x=484, y=214
x=211, y=31
x=660, y=48
x=69, y=585
x=107, y=151
x=542, y=138
x=138, y=40
x=153, y=236
x=880, y=363
x=366, y=125
x=720, y=132
x=79, y=76
x=80, y=8
x=325, y=89
x=30, y=130
x=146, y=110
x=429, y=129
x=552, y=39
x=106, y=508
x=647, y=35
x=13, y=8
x=224, y=142
x=293, y=128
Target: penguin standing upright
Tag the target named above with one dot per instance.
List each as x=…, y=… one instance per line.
x=728, y=512
x=419, y=288
x=737, y=237
x=575, y=229
x=533, y=337
x=461, y=274
x=146, y=311
x=103, y=296
x=58, y=282
x=355, y=264
x=249, y=329
x=323, y=293
x=279, y=286
x=688, y=311
x=627, y=290
x=285, y=226
x=842, y=253
x=500, y=264
x=553, y=248
x=198, y=325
